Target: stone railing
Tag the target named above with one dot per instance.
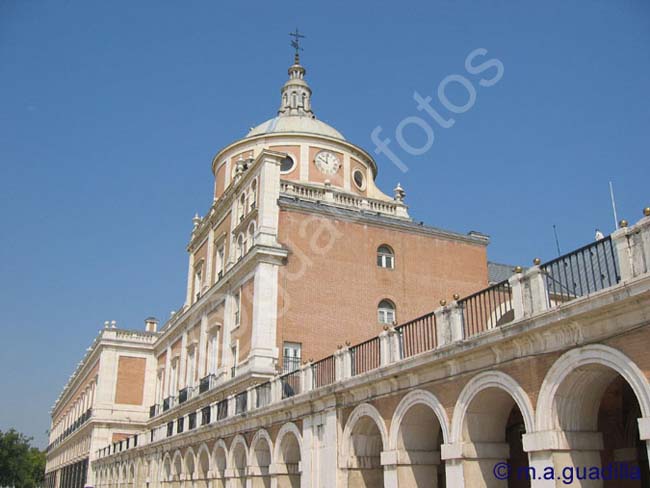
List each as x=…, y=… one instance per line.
x=331, y=196
x=617, y=258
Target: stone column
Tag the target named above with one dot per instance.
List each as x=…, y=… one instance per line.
x=559, y=449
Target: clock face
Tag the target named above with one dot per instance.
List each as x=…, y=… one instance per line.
x=327, y=162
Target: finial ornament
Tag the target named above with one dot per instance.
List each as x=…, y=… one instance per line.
x=295, y=43
x=537, y=261
x=623, y=223
x=399, y=193
x=646, y=211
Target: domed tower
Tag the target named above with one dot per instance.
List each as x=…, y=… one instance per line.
x=300, y=251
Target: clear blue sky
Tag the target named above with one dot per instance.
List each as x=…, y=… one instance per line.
x=110, y=113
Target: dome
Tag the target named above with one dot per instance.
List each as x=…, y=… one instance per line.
x=295, y=123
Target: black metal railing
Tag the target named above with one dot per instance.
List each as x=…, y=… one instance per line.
x=205, y=415
x=417, y=336
x=365, y=356
x=586, y=270
x=263, y=394
x=222, y=409
x=241, y=402
x=324, y=372
x=487, y=309
x=290, y=363
x=290, y=383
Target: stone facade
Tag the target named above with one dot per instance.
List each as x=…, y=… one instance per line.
x=286, y=366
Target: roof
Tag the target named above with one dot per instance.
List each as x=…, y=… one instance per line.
x=295, y=123
x=498, y=272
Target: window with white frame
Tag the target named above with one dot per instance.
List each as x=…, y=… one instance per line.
x=198, y=280
x=291, y=353
x=221, y=256
x=234, y=352
x=385, y=257
x=386, y=312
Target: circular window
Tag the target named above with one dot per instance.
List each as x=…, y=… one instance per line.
x=359, y=180
x=286, y=164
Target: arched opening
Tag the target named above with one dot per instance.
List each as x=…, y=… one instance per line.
x=288, y=459
x=166, y=471
x=189, y=466
x=251, y=234
x=365, y=445
x=239, y=462
x=261, y=463
x=177, y=467
x=203, y=470
x=131, y=476
x=418, y=449
x=220, y=461
x=494, y=424
x=599, y=410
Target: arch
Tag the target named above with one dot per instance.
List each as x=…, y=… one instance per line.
x=287, y=455
x=189, y=463
x=411, y=399
x=177, y=464
x=220, y=457
x=604, y=363
x=260, y=456
x=260, y=436
x=166, y=468
x=287, y=429
x=238, y=459
x=364, y=410
x=481, y=382
x=203, y=461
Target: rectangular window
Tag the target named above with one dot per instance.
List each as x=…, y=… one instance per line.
x=234, y=351
x=237, y=308
x=291, y=353
x=213, y=351
x=189, y=380
x=220, y=261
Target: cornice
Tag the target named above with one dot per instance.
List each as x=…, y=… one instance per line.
x=368, y=218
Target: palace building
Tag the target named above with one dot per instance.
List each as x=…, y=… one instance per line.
x=328, y=340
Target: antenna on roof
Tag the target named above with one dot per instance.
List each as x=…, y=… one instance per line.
x=611, y=194
x=557, y=241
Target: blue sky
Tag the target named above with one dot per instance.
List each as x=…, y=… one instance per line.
x=110, y=113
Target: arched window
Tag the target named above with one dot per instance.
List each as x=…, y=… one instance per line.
x=386, y=312
x=251, y=233
x=242, y=207
x=253, y=193
x=240, y=247
x=385, y=257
